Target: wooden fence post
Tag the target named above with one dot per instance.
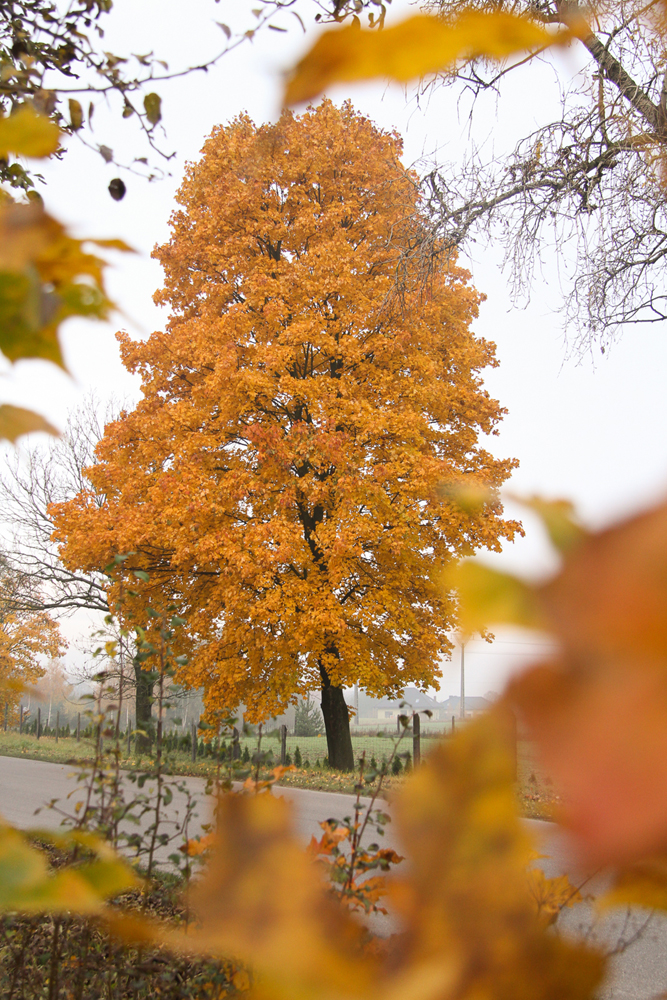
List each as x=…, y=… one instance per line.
x=21, y=721
x=6, y=715
x=129, y=737
x=39, y=723
x=78, y=728
x=512, y=738
x=453, y=724
x=194, y=741
x=236, y=744
x=283, y=745
x=416, y=740
x=57, y=725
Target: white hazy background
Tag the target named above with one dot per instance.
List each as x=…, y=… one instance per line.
x=591, y=429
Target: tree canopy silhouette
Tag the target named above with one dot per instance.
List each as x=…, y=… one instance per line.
x=281, y=479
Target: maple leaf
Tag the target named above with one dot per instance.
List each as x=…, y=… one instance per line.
x=551, y=895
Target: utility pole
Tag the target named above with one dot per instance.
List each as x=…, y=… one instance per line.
x=462, y=706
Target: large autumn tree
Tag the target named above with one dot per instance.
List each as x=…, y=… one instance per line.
x=282, y=477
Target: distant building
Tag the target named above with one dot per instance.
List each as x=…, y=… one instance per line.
x=383, y=712
x=473, y=705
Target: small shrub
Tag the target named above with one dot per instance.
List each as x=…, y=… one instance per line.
x=374, y=763
x=288, y=759
x=408, y=761
x=298, y=762
x=396, y=766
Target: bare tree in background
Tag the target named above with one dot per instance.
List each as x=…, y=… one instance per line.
x=36, y=579
x=33, y=478
x=589, y=185
x=591, y=181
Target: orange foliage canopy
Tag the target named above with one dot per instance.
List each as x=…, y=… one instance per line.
x=26, y=637
x=280, y=477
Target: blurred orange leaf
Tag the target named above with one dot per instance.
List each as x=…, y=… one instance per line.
x=600, y=713
x=416, y=47
x=487, y=596
x=15, y=421
x=46, y=276
x=262, y=901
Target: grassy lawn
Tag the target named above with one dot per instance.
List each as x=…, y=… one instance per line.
x=536, y=795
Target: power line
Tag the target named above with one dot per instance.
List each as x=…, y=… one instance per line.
x=509, y=642
x=490, y=652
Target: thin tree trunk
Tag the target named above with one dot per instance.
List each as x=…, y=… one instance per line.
x=336, y=724
x=144, y=701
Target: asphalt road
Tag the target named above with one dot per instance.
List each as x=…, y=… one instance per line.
x=639, y=970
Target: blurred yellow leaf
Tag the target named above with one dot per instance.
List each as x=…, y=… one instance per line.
x=416, y=47
x=15, y=421
x=262, y=901
x=642, y=884
x=559, y=520
x=46, y=276
x=489, y=597
x=28, y=133
x=75, y=114
x=467, y=904
x=469, y=497
x=27, y=885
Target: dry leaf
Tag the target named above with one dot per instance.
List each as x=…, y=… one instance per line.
x=15, y=421
x=416, y=47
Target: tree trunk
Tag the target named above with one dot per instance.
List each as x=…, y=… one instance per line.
x=143, y=703
x=336, y=724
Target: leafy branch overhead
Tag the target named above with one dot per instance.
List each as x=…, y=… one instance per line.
x=46, y=275
x=59, y=63
x=588, y=179
x=416, y=47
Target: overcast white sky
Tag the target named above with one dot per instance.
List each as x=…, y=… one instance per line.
x=590, y=429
